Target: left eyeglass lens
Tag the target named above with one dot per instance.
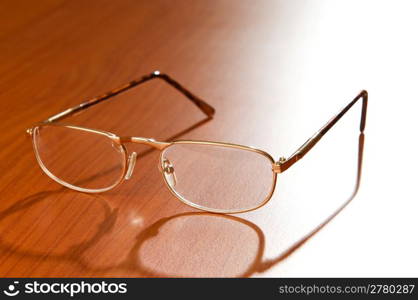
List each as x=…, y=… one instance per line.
x=79, y=158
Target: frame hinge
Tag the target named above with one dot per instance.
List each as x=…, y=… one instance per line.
x=277, y=165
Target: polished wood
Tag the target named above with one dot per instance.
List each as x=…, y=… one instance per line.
x=275, y=71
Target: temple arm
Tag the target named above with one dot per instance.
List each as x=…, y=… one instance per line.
x=203, y=106
x=284, y=164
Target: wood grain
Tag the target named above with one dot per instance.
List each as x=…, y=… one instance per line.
x=274, y=70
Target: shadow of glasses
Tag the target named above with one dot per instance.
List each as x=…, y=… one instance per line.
x=97, y=206
x=133, y=261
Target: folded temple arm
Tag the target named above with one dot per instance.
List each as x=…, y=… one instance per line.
x=284, y=164
x=205, y=107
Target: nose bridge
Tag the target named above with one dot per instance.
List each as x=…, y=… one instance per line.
x=146, y=141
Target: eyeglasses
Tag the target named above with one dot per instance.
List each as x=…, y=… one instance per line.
x=211, y=176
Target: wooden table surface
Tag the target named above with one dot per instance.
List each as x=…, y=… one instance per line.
x=275, y=71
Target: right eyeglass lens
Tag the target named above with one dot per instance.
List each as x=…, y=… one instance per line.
x=78, y=158
x=216, y=177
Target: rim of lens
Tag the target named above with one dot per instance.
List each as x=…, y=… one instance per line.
x=226, y=145
x=69, y=185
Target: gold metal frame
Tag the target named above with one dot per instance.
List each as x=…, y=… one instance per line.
x=276, y=166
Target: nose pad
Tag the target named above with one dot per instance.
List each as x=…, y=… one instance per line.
x=117, y=147
x=169, y=174
x=131, y=165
